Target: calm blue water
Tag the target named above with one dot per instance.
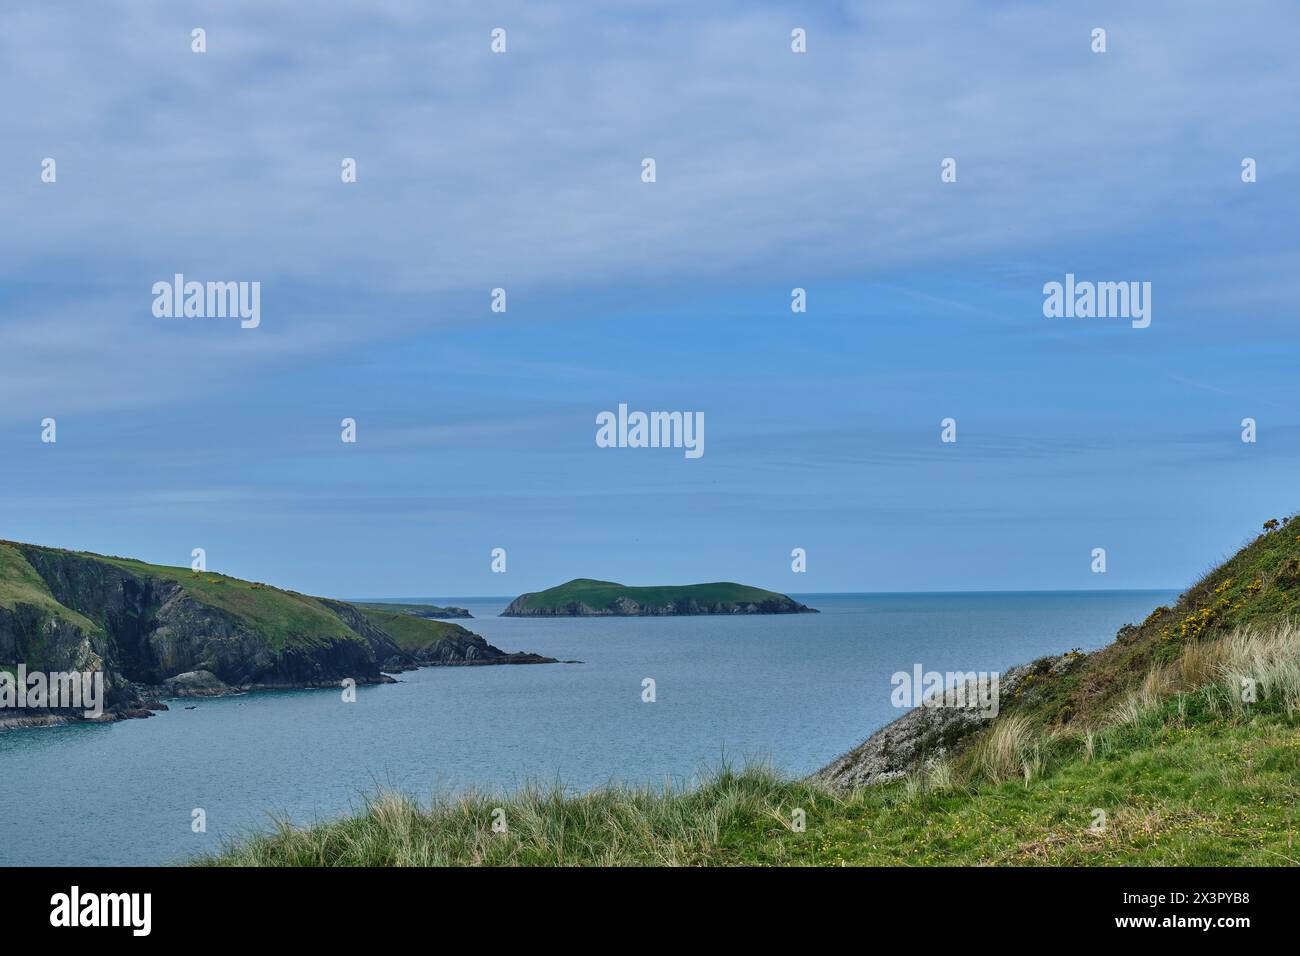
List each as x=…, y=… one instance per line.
x=794, y=690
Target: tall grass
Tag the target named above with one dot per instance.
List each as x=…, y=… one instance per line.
x=611, y=826
x=1249, y=662
x=1247, y=669
x=690, y=825
x=1010, y=749
x=1268, y=662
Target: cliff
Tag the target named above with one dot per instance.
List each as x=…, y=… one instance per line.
x=160, y=631
x=585, y=597
x=430, y=642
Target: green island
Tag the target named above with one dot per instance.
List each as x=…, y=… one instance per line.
x=586, y=597
x=1178, y=744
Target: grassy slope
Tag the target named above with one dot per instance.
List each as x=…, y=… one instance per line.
x=1204, y=793
x=1259, y=585
x=283, y=618
x=412, y=633
x=1196, y=780
x=601, y=595
x=415, y=610
x=1191, y=776
x=20, y=584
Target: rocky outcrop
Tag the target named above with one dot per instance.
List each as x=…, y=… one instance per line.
x=470, y=649
x=928, y=732
x=435, y=613
x=448, y=612
x=195, y=684
x=31, y=635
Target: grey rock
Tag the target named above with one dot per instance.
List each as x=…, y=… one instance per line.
x=922, y=734
x=195, y=684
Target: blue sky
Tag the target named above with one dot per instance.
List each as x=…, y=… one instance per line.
x=775, y=170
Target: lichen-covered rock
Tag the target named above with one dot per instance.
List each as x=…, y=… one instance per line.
x=922, y=734
x=195, y=684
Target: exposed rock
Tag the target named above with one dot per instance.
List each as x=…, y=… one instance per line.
x=452, y=612
x=195, y=684
x=469, y=649
x=152, y=636
x=922, y=734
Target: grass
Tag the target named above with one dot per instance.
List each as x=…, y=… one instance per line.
x=1259, y=586
x=284, y=618
x=1188, y=773
x=416, y=610
x=20, y=584
x=412, y=633
x=601, y=595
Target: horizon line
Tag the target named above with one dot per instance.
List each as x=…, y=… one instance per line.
x=512, y=596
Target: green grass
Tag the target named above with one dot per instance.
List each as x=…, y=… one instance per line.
x=20, y=584
x=1257, y=586
x=411, y=633
x=601, y=595
x=283, y=618
x=1186, y=772
x=1174, y=793
x=415, y=610
x=1211, y=793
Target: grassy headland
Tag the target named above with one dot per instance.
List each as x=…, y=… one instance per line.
x=415, y=610
x=412, y=633
x=1179, y=744
x=159, y=631
x=1195, y=778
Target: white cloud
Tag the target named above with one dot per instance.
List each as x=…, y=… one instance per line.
x=522, y=170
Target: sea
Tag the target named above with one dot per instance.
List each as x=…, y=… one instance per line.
x=653, y=701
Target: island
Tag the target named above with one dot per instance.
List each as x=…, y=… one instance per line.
x=1145, y=752
x=587, y=597
x=159, y=632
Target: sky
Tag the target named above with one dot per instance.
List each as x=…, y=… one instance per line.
x=774, y=170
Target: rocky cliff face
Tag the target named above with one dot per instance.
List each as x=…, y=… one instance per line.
x=30, y=635
x=929, y=733
x=155, y=628
x=153, y=636
x=469, y=649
